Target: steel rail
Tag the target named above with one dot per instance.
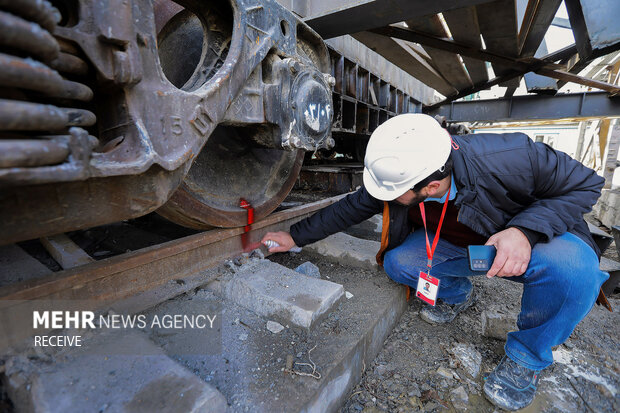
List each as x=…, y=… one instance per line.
x=137, y=271
x=132, y=282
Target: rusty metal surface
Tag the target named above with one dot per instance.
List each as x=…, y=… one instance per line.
x=32, y=75
x=146, y=126
x=21, y=34
x=39, y=11
x=68, y=63
x=29, y=152
x=24, y=116
x=80, y=146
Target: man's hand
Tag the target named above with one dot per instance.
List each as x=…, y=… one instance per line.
x=513, y=253
x=281, y=237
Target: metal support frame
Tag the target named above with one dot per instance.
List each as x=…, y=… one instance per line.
x=378, y=13
x=565, y=106
x=541, y=66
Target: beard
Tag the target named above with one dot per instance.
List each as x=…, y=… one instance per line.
x=417, y=198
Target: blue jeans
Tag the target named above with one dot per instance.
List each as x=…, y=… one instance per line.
x=560, y=287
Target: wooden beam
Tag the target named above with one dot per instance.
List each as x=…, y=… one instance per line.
x=498, y=25
x=463, y=25
x=448, y=64
x=455, y=47
x=378, y=13
x=540, y=66
x=569, y=77
x=66, y=252
x=400, y=54
x=538, y=17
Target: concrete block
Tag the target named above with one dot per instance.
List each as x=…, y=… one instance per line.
x=347, y=250
x=250, y=373
x=17, y=265
x=496, y=323
x=309, y=269
x=142, y=380
x=608, y=265
x=278, y=293
x=607, y=208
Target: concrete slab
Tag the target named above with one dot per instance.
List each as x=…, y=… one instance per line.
x=145, y=381
x=347, y=250
x=281, y=294
x=17, y=265
x=608, y=265
x=607, y=208
x=250, y=370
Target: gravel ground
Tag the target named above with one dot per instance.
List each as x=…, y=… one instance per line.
x=422, y=368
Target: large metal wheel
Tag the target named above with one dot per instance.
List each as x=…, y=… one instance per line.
x=231, y=167
x=232, y=164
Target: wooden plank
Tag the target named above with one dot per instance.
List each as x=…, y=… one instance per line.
x=463, y=25
x=538, y=17
x=66, y=252
x=448, y=64
x=498, y=24
x=400, y=54
x=569, y=77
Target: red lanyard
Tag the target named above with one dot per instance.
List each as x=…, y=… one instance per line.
x=430, y=251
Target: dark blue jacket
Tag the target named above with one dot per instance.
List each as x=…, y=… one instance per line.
x=503, y=180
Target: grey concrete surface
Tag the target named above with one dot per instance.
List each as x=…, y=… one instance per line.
x=143, y=379
x=250, y=370
x=17, y=265
x=280, y=294
x=347, y=250
x=607, y=208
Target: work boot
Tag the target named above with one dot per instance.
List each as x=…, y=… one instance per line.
x=511, y=386
x=443, y=313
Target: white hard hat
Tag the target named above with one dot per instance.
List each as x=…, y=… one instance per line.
x=403, y=151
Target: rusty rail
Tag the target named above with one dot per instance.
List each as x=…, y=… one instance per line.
x=138, y=271
x=129, y=282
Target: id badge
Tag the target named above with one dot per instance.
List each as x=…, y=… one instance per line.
x=428, y=287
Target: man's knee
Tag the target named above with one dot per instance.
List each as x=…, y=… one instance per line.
x=394, y=268
x=571, y=266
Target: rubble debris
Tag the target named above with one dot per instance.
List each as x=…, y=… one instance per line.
x=241, y=259
x=279, y=293
x=459, y=398
x=257, y=254
x=309, y=269
x=348, y=295
x=274, y=327
x=468, y=358
x=444, y=372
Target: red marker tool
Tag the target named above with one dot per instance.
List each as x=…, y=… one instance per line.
x=247, y=247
